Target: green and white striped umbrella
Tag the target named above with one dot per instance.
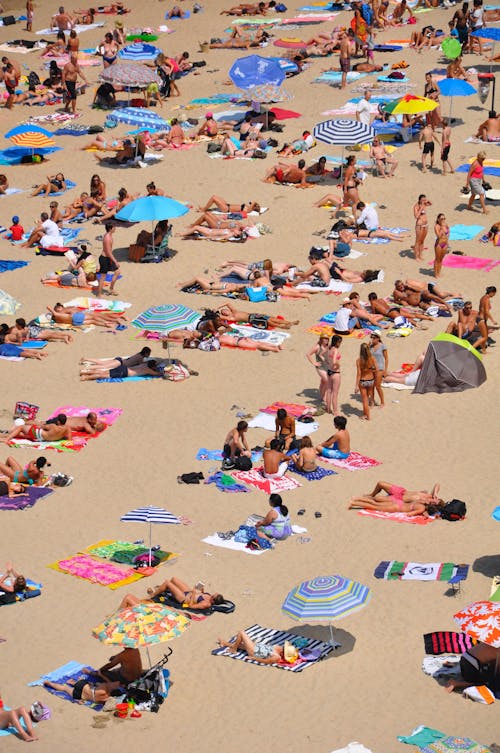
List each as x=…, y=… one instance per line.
x=166, y=318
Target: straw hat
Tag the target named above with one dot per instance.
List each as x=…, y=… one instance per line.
x=119, y=24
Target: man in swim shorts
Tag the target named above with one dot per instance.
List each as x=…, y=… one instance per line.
x=275, y=462
x=54, y=431
x=337, y=446
x=78, y=318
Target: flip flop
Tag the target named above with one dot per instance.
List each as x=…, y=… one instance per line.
x=301, y=511
x=318, y=514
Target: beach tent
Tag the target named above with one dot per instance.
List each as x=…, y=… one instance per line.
x=450, y=365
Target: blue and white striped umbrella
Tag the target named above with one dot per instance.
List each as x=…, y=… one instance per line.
x=343, y=132
x=326, y=598
x=150, y=515
x=138, y=116
x=139, y=51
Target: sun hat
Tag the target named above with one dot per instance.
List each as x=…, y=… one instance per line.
x=119, y=24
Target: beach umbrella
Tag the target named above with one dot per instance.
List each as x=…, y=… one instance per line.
x=343, y=132
x=130, y=74
x=490, y=32
x=8, y=304
x=451, y=48
x=32, y=140
x=286, y=65
x=455, y=87
x=284, y=114
x=152, y=208
x=139, y=51
x=165, y=318
x=139, y=117
x=151, y=515
x=409, y=104
x=141, y=625
x=450, y=365
x=325, y=599
x=254, y=70
x=27, y=128
x=481, y=621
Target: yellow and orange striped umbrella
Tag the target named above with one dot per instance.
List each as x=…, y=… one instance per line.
x=32, y=140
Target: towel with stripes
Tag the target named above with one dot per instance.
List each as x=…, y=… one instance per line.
x=394, y=570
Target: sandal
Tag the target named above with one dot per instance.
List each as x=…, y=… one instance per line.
x=301, y=511
x=318, y=514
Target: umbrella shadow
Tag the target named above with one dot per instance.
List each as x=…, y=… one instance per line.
x=322, y=633
x=122, y=254
x=488, y=565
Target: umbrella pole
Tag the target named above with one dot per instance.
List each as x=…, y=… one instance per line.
x=331, y=634
x=150, y=543
x=149, y=658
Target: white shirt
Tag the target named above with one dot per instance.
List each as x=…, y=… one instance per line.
x=52, y=235
x=342, y=319
x=49, y=227
x=370, y=217
x=363, y=111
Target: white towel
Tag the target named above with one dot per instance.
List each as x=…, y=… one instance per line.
x=267, y=421
x=215, y=540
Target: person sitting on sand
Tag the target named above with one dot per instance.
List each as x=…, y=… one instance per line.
x=396, y=313
x=55, y=184
x=55, y=431
x=398, y=499
x=77, y=318
x=284, y=173
x=217, y=202
x=228, y=312
x=470, y=326
x=338, y=446
x=305, y=459
x=31, y=474
x=82, y=690
x=479, y=665
x=130, y=667
x=236, y=444
x=46, y=233
x=276, y=524
x=284, y=429
x=84, y=204
x=489, y=130
x=275, y=462
x=260, y=652
x=408, y=378
x=194, y=597
x=20, y=719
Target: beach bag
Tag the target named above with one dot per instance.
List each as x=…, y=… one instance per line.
x=256, y=295
x=342, y=249
x=27, y=411
x=259, y=321
x=8, y=20
x=213, y=147
x=209, y=343
x=39, y=712
x=280, y=8
x=142, y=560
x=454, y=510
x=259, y=154
x=243, y=463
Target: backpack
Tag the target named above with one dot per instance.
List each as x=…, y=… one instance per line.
x=454, y=510
x=243, y=463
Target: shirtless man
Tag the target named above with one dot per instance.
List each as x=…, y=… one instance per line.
x=379, y=153
x=77, y=318
x=485, y=306
x=345, y=58
x=32, y=331
x=235, y=443
x=422, y=299
x=151, y=368
x=426, y=143
x=398, y=13
x=285, y=173
x=275, y=462
x=285, y=429
x=62, y=20
x=380, y=306
x=53, y=432
x=440, y=295
x=86, y=424
x=227, y=311
x=359, y=311
x=338, y=446
x=489, y=130
x=471, y=327
x=130, y=667
x=70, y=74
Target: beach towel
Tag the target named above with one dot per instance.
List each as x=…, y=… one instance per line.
x=496, y=513
x=487, y=169
x=335, y=286
x=444, y=743
x=237, y=546
x=20, y=502
x=270, y=336
x=447, y=665
x=266, y=421
x=103, y=573
x=124, y=551
x=8, y=266
x=225, y=483
x=447, y=642
x=98, y=304
x=327, y=329
x=465, y=232
x=255, y=478
x=217, y=456
x=273, y=637
x=32, y=589
x=79, y=28
x=144, y=378
x=394, y=570
x=293, y=409
x=355, y=462
x=354, y=747
x=73, y=671
x=335, y=77
x=397, y=517
x=469, y=262
x=315, y=475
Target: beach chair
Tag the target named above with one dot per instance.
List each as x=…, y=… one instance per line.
x=158, y=253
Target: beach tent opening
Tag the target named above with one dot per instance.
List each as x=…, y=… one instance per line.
x=450, y=365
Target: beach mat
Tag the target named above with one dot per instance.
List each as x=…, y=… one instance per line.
x=103, y=573
x=20, y=502
x=335, y=286
x=71, y=671
x=446, y=642
x=215, y=540
x=273, y=637
x=267, y=421
x=217, y=456
x=124, y=551
x=461, y=232
x=293, y=409
x=469, y=262
x=445, y=571
x=9, y=266
x=355, y=462
x=255, y=479
x=396, y=517
x=316, y=475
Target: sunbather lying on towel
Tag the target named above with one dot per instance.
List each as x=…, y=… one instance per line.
x=55, y=431
x=275, y=462
x=83, y=690
x=261, y=652
x=217, y=202
x=398, y=499
x=479, y=665
x=32, y=473
x=397, y=313
x=104, y=364
x=22, y=331
x=193, y=597
x=130, y=667
x=150, y=368
x=10, y=489
x=212, y=220
x=321, y=273
x=85, y=424
x=246, y=270
x=78, y=318
x=260, y=321
x=11, y=583
x=214, y=234
x=285, y=173
x=21, y=720
x=412, y=293
x=7, y=350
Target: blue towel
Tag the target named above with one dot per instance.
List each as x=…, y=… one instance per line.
x=464, y=232
x=387, y=47
x=216, y=455
x=69, y=184
x=34, y=344
x=487, y=169
x=71, y=671
x=8, y=266
x=496, y=513
x=316, y=475
x=128, y=379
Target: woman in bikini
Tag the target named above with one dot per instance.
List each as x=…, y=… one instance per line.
x=366, y=368
x=398, y=499
x=83, y=690
x=305, y=459
x=97, y=188
x=318, y=356
x=108, y=50
x=73, y=44
x=441, y=244
x=31, y=475
x=350, y=184
x=421, y=225
x=55, y=184
x=432, y=92
x=222, y=205
x=333, y=375
x=249, y=271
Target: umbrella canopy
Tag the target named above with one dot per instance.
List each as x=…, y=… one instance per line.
x=141, y=625
x=8, y=304
x=253, y=70
x=284, y=114
x=410, y=104
x=27, y=128
x=343, y=132
x=267, y=93
x=450, y=365
x=32, y=140
x=286, y=65
x=455, y=87
x=152, y=208
x=150, y=515
x=139, y=51
x=451, y=48
x=130, y=74
x=491, y=32
x=481, y=620
x=165, y=318
x=139, y=117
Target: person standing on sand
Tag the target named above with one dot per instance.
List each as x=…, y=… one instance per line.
x=107, y=262
x=345, y=58
x=426, y=143
x=70, y=74
x=446, y=146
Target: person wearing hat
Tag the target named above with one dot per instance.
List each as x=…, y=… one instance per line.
x=16, y=230
x=119, y=33
x=209, y=127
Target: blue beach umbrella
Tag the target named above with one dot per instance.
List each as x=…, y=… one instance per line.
x=139, y=51
x=491, y=32
x=254, y=70
x=455, y=87
x=152, y=208
x=325, y=599
x=27, y=128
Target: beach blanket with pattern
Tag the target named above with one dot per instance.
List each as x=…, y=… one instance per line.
x=124, y=551
x=272, y=637
x=355, y=462
x=447, y=642
x=315, y=475
x=293, y=409
x=394, y=570
x=217, y=456
x=22, y=501
x=255, y=478
x=98, y=304
x=70, y=672
x=103, y=573
x=225, y=483
x=396, y=517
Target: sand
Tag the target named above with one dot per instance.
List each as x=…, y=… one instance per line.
x=373, y=689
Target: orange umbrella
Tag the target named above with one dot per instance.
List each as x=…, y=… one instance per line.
x=32, y=140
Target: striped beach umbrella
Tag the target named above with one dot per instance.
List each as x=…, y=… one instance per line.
x=130, y=74
x=165, y=318
x=343, y=132
x=27, y=128
x=325, y=599
x=481, y=620
x=139, y=51
x=150, y=515
x=139, y=117
x=32, y=140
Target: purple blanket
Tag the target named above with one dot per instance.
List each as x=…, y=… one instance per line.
x=33, y=494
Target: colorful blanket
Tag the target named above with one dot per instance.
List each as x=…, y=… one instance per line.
x=28, y=499
x=255, y=478
x=272, y=637
x=397, y=517
x=124, y=551
x=293, y=409
x=469, y=262
x=394, y=570
x=216, y=455
x=225, y=483
x=321, y=328
x=71, y=672
x=447, y=642
x=103, y=573
x=355, y=462
x=315, y=475
x=433, y=741
x=98, y=304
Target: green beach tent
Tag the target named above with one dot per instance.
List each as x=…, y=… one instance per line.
x=450, y=365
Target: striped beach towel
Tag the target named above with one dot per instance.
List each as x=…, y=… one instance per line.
x=446, y=642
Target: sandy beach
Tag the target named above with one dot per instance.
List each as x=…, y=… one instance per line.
x=372, y=689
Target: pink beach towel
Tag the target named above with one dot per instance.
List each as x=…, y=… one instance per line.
x=469, y=262
x=96, y=571
x=293, y=409
x=267, y=485
x=397, y=517
x=355, y=462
